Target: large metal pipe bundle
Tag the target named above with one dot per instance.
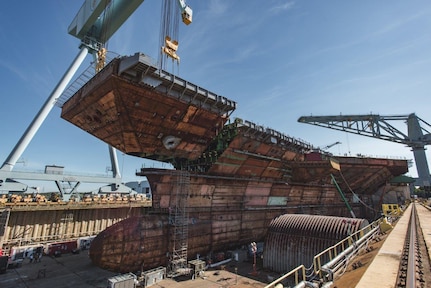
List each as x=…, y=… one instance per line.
x=294, y=239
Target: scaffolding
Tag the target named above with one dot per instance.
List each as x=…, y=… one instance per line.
x=178, y=218
x=4, y=220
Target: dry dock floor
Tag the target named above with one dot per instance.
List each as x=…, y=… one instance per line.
x=76, y=270
x=69, y=270
x=213, y=279
x=238, y=274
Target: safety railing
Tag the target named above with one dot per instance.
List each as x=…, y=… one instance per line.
x=329, y=261
x=298, y=274
x=82, y=79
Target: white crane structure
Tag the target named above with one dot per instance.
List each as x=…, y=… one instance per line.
x=94, y=24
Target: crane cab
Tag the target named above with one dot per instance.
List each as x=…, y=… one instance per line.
x=187, y=15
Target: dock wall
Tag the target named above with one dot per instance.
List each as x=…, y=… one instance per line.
x=28, y=225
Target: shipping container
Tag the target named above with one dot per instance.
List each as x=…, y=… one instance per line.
x=122, y=281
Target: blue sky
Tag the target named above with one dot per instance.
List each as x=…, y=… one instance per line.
x=277, y=59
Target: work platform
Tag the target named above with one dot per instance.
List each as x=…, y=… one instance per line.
x=144, y=111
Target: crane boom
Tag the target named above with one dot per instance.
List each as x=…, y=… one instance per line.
x=89, y=25
x=331, y=145
x=377, y=126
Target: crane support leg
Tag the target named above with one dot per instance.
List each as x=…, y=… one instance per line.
x=43, y=112
x=415, y=131
x=114, y=162
x=424, y=179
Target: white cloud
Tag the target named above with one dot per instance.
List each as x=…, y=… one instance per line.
x=217, y=7
x=23, y=75
x=399, y=22
x=282, y=7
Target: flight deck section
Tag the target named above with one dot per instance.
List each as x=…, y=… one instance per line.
x=147, y=112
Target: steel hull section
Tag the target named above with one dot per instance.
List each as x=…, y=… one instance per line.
x=249, y=151
x=222, y=213
x=249, y=184
x=234, y=193
x=146, y=112
x=365, y=175
x=142, y=243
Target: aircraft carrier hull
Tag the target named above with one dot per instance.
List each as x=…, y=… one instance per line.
x=222, y=213
x=239, y=175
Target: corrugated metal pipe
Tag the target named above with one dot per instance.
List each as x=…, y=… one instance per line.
x=338, y=256
x=294, y=239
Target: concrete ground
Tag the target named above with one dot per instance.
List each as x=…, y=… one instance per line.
x=68, y=270
x=238, y=274
x=213, y=279
x=76, y=270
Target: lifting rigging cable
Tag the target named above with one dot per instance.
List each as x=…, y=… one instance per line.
x=100, y=56
x=169, y=32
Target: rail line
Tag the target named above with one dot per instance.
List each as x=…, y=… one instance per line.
x=410, y=274
x=403, y=260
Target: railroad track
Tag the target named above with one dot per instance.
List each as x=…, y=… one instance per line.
x=414, y=265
